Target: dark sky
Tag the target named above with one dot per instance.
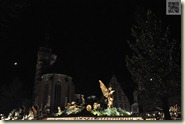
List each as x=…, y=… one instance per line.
x=88, y=36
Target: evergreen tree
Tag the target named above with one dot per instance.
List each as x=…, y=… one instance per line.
x=154, y=64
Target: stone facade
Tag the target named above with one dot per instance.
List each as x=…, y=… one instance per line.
x=55, y=90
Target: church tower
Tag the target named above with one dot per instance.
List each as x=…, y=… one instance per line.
x=45, y=59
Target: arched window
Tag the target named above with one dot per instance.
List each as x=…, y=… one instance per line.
x=46, y=90
x=57, y=95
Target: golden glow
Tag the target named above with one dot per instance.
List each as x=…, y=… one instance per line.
x=95, y=118
x=88, y=107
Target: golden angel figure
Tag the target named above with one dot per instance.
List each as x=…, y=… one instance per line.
x=108, y=93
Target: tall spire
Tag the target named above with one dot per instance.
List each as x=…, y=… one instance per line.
x=47, y=31
x=46, y=23
x=45, y=59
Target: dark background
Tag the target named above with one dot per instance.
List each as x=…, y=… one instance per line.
x=89, y=38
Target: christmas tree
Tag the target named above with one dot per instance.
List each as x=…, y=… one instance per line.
x=154, y=64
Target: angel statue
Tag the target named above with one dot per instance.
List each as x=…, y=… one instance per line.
x=108, y=93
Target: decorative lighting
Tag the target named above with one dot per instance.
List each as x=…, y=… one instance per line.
x=95, y=118
x=88, y=107
x=15, y=63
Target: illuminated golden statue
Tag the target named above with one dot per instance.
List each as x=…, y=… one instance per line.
x=96, y=106
x=108, y=93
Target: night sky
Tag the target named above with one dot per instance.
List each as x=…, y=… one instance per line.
x=89, y=38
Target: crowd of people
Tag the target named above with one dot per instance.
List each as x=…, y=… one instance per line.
x=23, y=113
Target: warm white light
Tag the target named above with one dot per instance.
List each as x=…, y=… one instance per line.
x=15, y=63
x=95, y=118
